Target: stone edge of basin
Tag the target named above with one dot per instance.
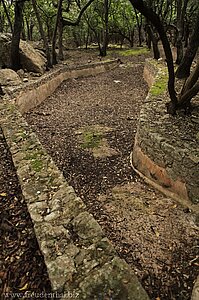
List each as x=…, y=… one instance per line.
x=158, y=158
x=80, y=260
x=29, y=95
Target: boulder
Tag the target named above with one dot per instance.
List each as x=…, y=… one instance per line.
x=9, y=77
x=5, y=42
x=31, y=59
x=195, y=292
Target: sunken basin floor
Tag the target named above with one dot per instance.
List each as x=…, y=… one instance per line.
x=88, y=127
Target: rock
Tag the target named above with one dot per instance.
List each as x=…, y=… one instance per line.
x=31, y=59
x=5, y=41
x=195, y=292
x=9, y=77
x=21, y=73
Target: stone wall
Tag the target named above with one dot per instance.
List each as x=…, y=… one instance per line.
x=80, y=260
x=164, y=153
x=27, y=96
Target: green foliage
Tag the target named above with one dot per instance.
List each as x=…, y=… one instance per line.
x=36, y=161
x=134, y=51
x=91, y=139
x=160, y=86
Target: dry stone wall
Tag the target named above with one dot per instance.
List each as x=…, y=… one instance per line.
x=81, y=262
x=164, y=153
x=29, y=95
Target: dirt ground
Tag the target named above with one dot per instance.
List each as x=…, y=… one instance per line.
x=88, y=127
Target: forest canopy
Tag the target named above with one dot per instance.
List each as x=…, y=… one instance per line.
x=62, y=24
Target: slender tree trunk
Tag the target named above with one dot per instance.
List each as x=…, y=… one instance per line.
x=43, y=36
x=139, y=25
x=60, y=40
x=154, y=40
x=23, y=32
x=7, y=15
x=180, y=29
x=183, y=70
x=181, y=9
x=87, y=38
x=28, y=28
x=105, y=30
x=18, y=21
x=54, y=56
x=1, y=19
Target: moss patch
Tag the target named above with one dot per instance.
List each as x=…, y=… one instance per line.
x=91, y=139
x=37, y=165
x=94, y=138
x=161, y=81
x=130, y=52
x=35, y=160
x=159, y=87
x=91, y=136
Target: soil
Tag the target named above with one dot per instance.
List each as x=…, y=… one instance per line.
x=88, y=127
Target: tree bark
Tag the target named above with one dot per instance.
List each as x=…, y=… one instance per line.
x=155, y=20
x=43, y=36
x=154, y=40
x=54, y=55
x=60, y=40
x=139, y=25
x=7, y=15
x=105, y=30
x=18, y=21
x=183, y=70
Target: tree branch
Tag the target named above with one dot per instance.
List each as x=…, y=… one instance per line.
x=75, y=23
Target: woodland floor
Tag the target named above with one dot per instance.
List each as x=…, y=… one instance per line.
x=88, y=127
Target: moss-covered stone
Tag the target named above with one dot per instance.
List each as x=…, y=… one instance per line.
x=35, y=159
x=160, y=86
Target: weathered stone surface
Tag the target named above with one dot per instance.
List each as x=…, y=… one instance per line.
x=195, y=292
x=9, y=77
x=31, y=59
x=5, y=40
x=113, y=280
x=60, y=271
x=46, y=85
x=163, y=153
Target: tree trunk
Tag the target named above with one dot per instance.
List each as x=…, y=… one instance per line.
x=87, y=37
x=105, y=30
x=180, y=29
x=1, y=20
x=54, y=55
x=155, y=20
x=7, y=15
x=43, y=36
x=28, y=28
x=154, y=40
x=18, y=21
x=23, y=33
x=139, y=25
x=183, y=70
x=60, y=41
x=131, y=38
